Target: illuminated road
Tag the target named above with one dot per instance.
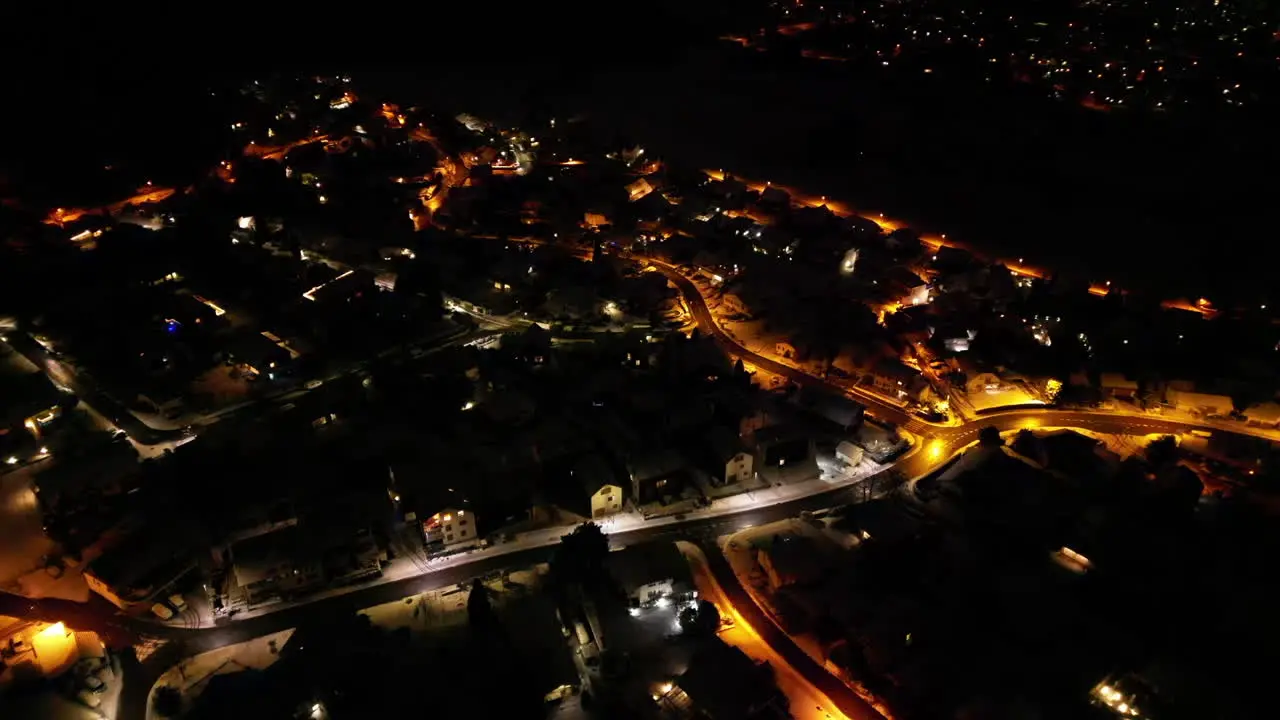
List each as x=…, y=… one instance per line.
x=946, y=438
x=807, y=701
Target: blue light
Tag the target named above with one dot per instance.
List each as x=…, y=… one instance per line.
x=171, y=326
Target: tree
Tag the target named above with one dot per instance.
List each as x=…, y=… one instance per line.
x=579, y=558
x=702, y=620
x=989, y=436
x=168, y=701
x=479, y=610
x=1162, y=452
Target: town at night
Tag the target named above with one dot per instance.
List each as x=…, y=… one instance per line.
x=758, y=360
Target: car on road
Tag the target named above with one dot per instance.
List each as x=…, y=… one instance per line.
x=313, y=384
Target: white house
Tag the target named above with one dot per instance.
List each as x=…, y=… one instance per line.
x=848, y=453
x=1200, y=403
x=450, y=527
x=728, y=459
x=650, y=573
x=1266, y=414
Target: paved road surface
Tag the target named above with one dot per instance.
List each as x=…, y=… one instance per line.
x=845, y=699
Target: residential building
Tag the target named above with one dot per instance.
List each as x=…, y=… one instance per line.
x=782, y=446
x=789, y=560
x=1200, y=403
x=882, y=520
x=837, y=410
x=288, y=560
x=722, y=683
x=894, y=379
x=275, y=564
x=1068, y=454
x=725, y=458
x=1266, y=414
x=638, y=189
x=1117, y=385
x=36, y=649
x=953, y=337
x=601, y=485
x=452, y=528
x=774, y=198
x=30, y=401
x=262, y=353
x=907, y=286
x=656, y=475
x=140, y=568
x=342, y=289
x=848, y=453
x=650, y=572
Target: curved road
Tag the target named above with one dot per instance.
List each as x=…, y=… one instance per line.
x=942, y=439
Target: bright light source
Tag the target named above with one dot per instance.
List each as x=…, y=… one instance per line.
x=634, y=612
x=663, y=602
x=468, y=405
x=44, y=451
x=12, y=460
x=55, y=629
x=849, y=262
x=936, y=448
x=666, y=688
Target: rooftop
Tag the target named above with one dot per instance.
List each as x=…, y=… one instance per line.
x=637, y=565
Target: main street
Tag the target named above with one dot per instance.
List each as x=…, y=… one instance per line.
x=100, y=616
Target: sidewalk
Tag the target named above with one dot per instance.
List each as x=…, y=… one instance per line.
x=405, y=567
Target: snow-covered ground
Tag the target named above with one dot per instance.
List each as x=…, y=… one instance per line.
x=191, y=676
x=23, y=544
x=1006, y=396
